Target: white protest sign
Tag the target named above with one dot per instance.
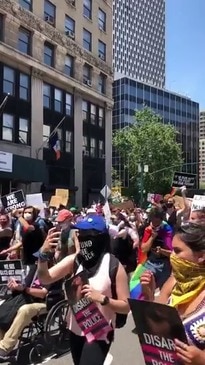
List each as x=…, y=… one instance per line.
x=198, y=202
x=107, y=212
x=36, y=200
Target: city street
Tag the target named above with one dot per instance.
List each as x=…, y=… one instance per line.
x=125, y=350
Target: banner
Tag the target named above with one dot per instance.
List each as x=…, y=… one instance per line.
x=10, y=269
x=198, y=202
x=157, y=326
x=6, y=161
x=87, y=314
x=183, y=179
x=13, y=201
x=64, y=194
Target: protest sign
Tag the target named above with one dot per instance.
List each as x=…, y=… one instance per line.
x=88, y=316
x=13, y=201
x=64, y=194
x=183, y=179
x=36, y=200
x=157, y=326
x=198, y=202
x=10, y=269
x=55, y=201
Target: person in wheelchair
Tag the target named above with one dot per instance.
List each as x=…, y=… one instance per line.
x=17, y=312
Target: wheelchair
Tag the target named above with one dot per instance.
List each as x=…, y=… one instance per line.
x=47, y=335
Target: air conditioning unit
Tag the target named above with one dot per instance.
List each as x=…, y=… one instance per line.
x=49, y=19
x=89, y=83
x=101, y=56
x=70, y=34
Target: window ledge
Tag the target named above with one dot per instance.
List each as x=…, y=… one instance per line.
x=89, y=19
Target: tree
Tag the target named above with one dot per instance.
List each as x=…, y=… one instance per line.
x=148, y=141
x=115, y=179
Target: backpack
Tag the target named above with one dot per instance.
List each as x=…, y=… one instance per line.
x=121, y=319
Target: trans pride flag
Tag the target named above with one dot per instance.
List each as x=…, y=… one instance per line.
x=165, y=234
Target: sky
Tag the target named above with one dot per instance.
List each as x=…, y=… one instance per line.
x=185, y=48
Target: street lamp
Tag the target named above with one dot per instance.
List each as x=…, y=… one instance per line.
x=142, y=169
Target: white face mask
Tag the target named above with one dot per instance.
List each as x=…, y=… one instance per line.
x=27, y=216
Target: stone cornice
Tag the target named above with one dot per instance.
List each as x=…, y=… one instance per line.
x=29, y=19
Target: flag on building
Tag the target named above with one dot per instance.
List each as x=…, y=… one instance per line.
x=55, y=144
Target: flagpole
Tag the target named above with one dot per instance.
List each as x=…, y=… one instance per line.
x=51, y=135
x=3, y=104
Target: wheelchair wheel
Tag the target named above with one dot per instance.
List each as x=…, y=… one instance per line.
x=36, y=354
x=56, y=332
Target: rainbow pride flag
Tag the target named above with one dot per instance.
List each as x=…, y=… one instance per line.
x=135, y=286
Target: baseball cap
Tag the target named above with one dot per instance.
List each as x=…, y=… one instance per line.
x=63, y=215
x=95, y=222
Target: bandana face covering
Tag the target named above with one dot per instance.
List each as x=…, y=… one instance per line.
x=91, y=249
x=190, y=280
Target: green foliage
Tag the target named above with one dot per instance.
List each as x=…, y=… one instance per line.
x=148, y=141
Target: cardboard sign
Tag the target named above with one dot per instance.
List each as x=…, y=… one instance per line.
x=10, y=269
x=198, y=202
x=89, y=318
x=13, y=201
x=55, y=201
x=64, y=194
x=157, y=326
x=183, y=179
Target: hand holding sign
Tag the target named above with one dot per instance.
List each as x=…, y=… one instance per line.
x=14, y=286
x=189, y=354
x=91, y=294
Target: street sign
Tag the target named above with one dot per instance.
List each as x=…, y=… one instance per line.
x=105, y=192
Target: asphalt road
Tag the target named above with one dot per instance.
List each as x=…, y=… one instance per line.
x=125, y=349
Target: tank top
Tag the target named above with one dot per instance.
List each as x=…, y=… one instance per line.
x=194, y=325
x=101, y=282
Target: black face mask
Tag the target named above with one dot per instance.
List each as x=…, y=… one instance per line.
x=170, y=205
x=92, y=248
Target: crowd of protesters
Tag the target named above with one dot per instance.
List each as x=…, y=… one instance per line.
x=164, y=240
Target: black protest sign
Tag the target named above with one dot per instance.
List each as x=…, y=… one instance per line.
x=157, y=326
x=183, y=179
x=15, y=200
x=10, y=269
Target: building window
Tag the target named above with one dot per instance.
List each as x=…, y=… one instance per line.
x=24, y=86
x=47, y=96
x=101, y=50
x=49, y=12
x=85, y=145
x=85, y=111
x=87, y=75
x=69, y=27
x=101, y=118
x=23, y=131
x=49, y=54
x=26, y=4
x=87, y=8
x=68, y=141
x=69, y=104
x=102, y=83
x=8, y=127
x=102, y=20
x=24, y=41
x=69, y=63
x=58, y=100
x=93, y=114
x=1, y=27
x=101, y=149
x=8, y=81
x=46, y=135
x=93, y=150
x=87, y=40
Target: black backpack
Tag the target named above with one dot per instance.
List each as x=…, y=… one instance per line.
x=121, y=319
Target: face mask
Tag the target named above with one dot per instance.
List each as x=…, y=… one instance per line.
x=28, y=216
x=132, y=218
x=185, y=270
x=169, y=205
x=91, y=248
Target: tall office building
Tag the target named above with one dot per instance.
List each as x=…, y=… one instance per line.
x=178, y=110
x=202, y=149
x=139, y=40
x=56, y=61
